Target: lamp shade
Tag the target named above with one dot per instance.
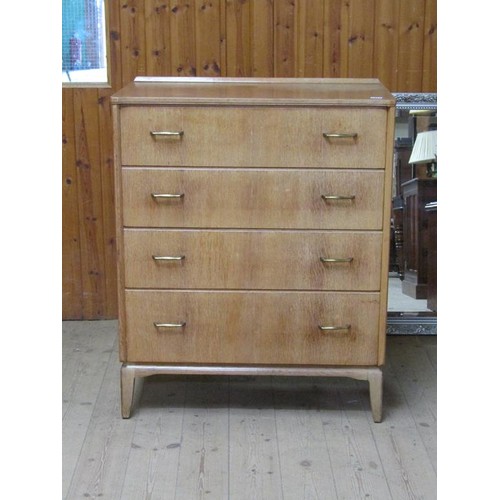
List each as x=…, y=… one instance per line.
x=425, y=148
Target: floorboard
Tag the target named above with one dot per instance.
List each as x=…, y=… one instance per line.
x=272, y=438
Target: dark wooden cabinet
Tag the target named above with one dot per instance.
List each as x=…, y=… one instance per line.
x=402, y=173
x=431, y=210
x=416, y=194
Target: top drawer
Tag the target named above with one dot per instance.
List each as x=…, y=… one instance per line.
x=339, y=137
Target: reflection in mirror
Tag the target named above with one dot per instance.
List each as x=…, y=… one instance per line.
x=412, y=304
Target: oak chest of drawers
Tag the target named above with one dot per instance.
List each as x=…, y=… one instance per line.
x=253, y=227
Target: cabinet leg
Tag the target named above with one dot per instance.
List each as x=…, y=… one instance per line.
x=375, y=380
x=127, y=382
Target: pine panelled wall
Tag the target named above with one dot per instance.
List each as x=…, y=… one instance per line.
x=393, y=40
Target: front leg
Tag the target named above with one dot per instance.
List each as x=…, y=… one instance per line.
x=127, y=383
x=375, y=380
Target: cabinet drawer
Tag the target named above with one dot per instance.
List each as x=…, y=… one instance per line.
x=247, y=198
x=308, y=260
x=253, y=137
x=252, y=327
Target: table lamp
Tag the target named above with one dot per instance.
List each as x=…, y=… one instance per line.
x=425, y=151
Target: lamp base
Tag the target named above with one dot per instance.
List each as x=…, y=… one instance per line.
x=431, y=170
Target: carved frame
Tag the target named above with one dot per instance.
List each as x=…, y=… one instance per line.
x=410, y=323
x=415, y=100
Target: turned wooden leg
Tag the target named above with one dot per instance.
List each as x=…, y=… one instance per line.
x=127, y=389
x=375, y=380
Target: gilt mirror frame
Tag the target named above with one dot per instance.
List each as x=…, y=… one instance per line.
x=407, y=322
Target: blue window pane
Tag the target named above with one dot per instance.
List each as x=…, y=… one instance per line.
x=83, y=41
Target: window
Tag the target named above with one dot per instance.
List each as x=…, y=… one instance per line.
x=83, y=42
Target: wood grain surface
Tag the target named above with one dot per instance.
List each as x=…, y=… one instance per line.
x=396, y=42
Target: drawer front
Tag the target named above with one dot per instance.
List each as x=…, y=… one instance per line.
x=253, y=137
x=252, y=327
x=246, y=198
x=295, y=260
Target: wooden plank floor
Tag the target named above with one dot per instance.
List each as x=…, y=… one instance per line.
x=246, y=437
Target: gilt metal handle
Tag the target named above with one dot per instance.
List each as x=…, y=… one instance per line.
x=337, y=197
x=166, y=196
x=325, y=328
x=170, y=325
x=336, y=135
x=335, y=260
x=168, y=257
x=166, y=134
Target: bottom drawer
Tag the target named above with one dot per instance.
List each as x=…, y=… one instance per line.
x=238, y=327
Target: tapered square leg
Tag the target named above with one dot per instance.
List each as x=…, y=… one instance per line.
x=127, y=382
x=375, y=380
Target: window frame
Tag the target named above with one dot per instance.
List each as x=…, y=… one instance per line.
x=107, y=84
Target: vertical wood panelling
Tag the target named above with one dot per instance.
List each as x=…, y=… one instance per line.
x=361, y=14
x=394, y=40
x=386, y=42
x=183, y=42
x=157, y=30
x=108, y=206
x=332, y=45
x=249, y=37
x=284, y=38
x=114, y=43
x=310, y=38
x=207, y=25
x=411, y=42
x=90, y=206
x=133, y=39
x=429, y=69
x=262, y=17
x=239, y=38
x=222, y=37
x=71, y=267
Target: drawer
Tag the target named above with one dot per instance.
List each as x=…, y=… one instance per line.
x=252, y=198
x=252, y=327
x=253, y=136
x=234, y=259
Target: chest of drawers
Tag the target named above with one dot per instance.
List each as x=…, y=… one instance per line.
x=253, y=227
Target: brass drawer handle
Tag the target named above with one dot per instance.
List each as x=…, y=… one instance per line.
x=335, y=135
x=328, y=260
x=170, y=325
x=166, y=196
x=168, y=257
x=166, y=134
x=328, y=197
x=334, y=328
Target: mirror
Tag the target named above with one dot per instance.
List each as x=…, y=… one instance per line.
x=412, y=304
